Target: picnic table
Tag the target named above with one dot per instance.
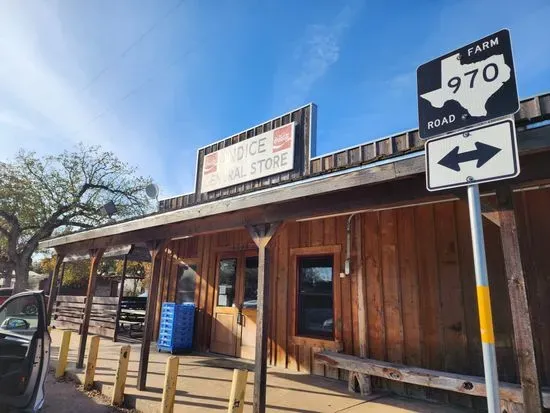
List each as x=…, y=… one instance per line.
x=131, y=320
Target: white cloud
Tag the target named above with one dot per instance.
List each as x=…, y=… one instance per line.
x=316, y=52
x=49, y=52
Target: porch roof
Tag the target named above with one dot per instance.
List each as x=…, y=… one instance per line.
x=395, y=181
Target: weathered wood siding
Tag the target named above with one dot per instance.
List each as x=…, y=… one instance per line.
x=421, y=307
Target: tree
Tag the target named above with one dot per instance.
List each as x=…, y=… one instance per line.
x=41, y=196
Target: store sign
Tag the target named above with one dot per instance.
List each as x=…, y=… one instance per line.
x=263, y=155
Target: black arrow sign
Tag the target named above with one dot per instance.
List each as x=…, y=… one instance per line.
x=482, y=154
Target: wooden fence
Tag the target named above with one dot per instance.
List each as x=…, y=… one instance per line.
x=69, y=310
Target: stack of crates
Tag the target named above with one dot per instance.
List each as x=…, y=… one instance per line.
x=176, y=327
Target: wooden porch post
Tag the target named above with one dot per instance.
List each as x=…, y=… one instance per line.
x=120, y=296
x=523, y=334
x=156, y=249
x=95, y=258
x=262, y=235
x=53, y=285
x=61, y=277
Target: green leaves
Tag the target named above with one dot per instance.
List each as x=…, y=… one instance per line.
x=41, y=196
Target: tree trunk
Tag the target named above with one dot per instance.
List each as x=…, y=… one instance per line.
x=22, y=266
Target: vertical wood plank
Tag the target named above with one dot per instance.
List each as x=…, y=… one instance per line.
x=345, y=288
x=210, y=289
x=392, y=292
x=317, y=232
x=374, y=287
x=282, y=292
x=452, y=308
x=538, y=282
x=201, y=298
x=408, y=274
x=274, y=267
x=329, y=238
x=430, y=315
x=359, y=312
x=502, y=315
x=293, y=241
x=344, y=293
x=523, y=334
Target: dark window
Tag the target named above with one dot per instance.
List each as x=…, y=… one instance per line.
x=315, y=309
x=226, y=282
x=251, y=283
x=186, y=284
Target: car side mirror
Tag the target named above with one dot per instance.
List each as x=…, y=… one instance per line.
x=14, y=323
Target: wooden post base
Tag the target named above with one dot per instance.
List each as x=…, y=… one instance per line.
x=359, y=383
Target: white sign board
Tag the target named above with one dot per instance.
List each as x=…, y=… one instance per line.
x=483, y=154
x=263, y=155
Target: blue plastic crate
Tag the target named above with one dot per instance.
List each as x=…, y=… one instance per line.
x=176, y=327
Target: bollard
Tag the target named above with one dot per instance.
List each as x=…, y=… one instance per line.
x=170, y=383
x=120, y=379
x=238, y=387
x=63, y=353
x=91, y=363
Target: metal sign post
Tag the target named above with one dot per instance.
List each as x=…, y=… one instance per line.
x=484, y=301
x=463, y=99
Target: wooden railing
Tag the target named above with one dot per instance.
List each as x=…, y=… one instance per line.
x=69, y=310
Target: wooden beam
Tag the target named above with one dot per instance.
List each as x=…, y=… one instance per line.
x=94, y=263
x=490, y=213
x=262, y=235
x=523, y=334
x=53, y=285
x=361, y=302
x=120, y=296
x=156, y=248
x=459, y=383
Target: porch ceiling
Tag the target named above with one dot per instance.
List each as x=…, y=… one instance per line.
x=391, y=183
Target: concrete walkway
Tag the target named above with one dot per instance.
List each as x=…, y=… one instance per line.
x=204, y=383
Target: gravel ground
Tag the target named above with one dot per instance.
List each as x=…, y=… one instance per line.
x=64, y=396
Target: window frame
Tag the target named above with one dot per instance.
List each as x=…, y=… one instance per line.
x=303, y=252
x=188, y=261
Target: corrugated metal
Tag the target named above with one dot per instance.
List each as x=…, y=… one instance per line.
x=532, y=110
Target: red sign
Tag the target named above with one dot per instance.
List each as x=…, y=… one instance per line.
x=211, y=163
x=282, y=138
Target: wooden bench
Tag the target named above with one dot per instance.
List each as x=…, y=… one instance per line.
x=361, y=370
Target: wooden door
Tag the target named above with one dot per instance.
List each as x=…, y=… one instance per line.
x=234, y=323
x=224, y=323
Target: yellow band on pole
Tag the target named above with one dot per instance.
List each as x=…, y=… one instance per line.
x=485, y=314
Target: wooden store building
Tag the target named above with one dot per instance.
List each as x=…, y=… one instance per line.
x=345, y=266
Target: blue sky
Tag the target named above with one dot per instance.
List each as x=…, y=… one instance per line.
x=153, y=80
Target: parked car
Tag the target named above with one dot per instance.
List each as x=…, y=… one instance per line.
x=25, y=352
x=29, y=308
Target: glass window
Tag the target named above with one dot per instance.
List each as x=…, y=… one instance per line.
x=315, y=299
x=226, y=282
x=20, y=315
x=185, y=292
x=251, y=283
